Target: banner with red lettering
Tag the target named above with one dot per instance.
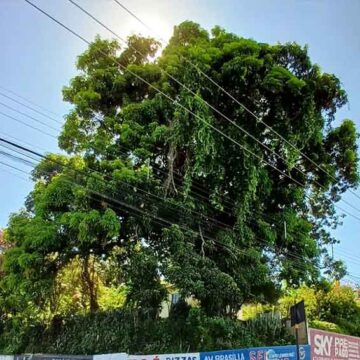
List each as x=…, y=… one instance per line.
x=288, y=352
x=186, y=356
x=326, y=345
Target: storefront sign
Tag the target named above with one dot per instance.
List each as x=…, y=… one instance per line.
x=327, y=345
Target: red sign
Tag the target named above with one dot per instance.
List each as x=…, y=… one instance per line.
x=327, y=345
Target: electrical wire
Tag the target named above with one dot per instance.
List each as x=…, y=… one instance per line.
x=288, y=253
x=134, y=74
x=29, y=101
x=28, y=125
x=30, y=108
x=195, y=66
x=299, y=265
x=175, y=102
x=28, y=116
x=133, y=209
x=163, y=171
x=21, y=140
x=207, y=103
x=207, y=200
x=216, y=222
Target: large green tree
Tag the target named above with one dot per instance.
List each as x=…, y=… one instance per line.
x=155, y=186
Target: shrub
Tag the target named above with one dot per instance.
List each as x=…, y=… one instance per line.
x=128, y=331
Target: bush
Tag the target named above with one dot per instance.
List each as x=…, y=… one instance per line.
x=327, y=326
x=342, y=326
x=127, y=331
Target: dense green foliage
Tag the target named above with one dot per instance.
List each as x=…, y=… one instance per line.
x=119, y=331
x=330, y=303
x=150, y=195
x=331, y=307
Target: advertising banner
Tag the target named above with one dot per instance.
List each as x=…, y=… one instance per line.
x=185, y=356
x=326, y=345
x=113, y=356
x=262, y=353
x=52, y=357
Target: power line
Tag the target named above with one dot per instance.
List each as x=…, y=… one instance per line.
x=131, y=209
x=134, y=15
x=206, y=102
x=157, y=89
x=300, y=262
x=28, y=101
x=287, y=254
x=205, y=218
x=175, y=102
x=195, y=184
x=235, y=100
x=351, y=256
x=207, y=200
x=30, y=108
x=164, y=172
x=215, y=221
x=28, y=116
x=192, y=193
x=28, y=125
x=24, y=161
x=13, y=167
x=228, y=203
x=195, y=194
x=4, y=166
x=20, y=140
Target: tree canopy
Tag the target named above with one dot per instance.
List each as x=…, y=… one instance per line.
x=152, y=189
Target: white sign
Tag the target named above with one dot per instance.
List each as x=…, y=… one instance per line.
x=115, y=356
x=186, y=356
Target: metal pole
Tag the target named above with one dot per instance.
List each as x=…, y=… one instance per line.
x=297, y=341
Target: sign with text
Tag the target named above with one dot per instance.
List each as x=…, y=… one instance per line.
x=113, y=356
x=326, y=345
x=187, y=356
x=262, y=353
x=52, y=357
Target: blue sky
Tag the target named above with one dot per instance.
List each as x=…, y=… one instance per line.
x=37, y=60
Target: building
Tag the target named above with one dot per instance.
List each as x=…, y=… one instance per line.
x=2, y=241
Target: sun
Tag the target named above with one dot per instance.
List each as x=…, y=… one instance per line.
x=150, y=23
x=157, y=27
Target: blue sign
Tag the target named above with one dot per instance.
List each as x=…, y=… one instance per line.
x=261, y=353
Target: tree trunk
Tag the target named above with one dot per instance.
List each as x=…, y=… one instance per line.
x=89, y=283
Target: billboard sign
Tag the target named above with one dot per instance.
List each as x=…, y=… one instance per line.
x=261, y=353
x=113, y=356
x=52, y=357
x=326, y=345
x=185, y=356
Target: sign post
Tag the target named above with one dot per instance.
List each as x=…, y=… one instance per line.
x=297, y=316
x=297, y=341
